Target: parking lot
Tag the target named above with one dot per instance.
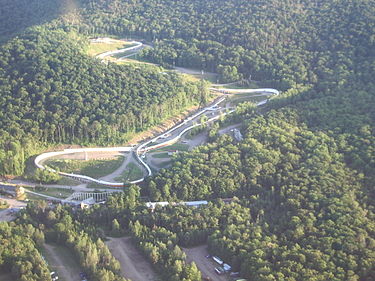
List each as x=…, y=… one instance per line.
x=205, y=265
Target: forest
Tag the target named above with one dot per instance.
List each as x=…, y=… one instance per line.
x=285, y=41
x=301, y=183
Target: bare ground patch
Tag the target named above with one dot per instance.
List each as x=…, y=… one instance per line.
x=134, y=266
x=62, y=261
x=205, y=265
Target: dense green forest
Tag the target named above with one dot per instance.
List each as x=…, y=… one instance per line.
x=19, y=252
x=285, y=41
x=301, y=182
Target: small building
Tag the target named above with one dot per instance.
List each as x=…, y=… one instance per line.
x=152, y=205
x=195, y=203
x=85, y=204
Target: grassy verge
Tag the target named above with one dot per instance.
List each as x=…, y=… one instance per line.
x=98, y=48
x=162, y=165
x=54, y=192
x=132, y=172
x=174, y=147
x=34, y=197
x=237, y=100
x=68, y=181
x=161, y=155
x=91, y=168
x=252, y=85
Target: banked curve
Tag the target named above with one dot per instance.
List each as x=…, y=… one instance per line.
x=143, y=147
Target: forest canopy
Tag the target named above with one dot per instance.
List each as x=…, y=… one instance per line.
x=301, y=183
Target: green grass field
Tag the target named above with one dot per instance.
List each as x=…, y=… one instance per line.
x=91, y=168
x=132, y=172
x=98, y=48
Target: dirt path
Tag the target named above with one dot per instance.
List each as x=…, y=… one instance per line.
x=205, y=265
x=133, y=264
x=111, y=177
x=67, y=273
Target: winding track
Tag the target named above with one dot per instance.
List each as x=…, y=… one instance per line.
x=176, y=133
x=137, y=46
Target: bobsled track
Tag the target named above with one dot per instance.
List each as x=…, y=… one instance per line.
x=137, y=46
x=174, y=134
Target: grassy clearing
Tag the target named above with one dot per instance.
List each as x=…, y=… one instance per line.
x=68, y=181
x=91, y=168
x=174, y=147
x=163, y=164
x=252, y=85
x=236, y=101
x=211, y=77
x=120, y=55
x=132, y=172
x=161, y=155
x=98, y=48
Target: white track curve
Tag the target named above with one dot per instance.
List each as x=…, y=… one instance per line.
x=138, y=45
x=142, y=148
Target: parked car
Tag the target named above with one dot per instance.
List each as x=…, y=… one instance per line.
x=54, y=276
x=83, y=276
x=219, y=270
x=217, y=260
x=234, y=274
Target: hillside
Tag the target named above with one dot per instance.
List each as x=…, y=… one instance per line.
x=285, y=41
x=299, y=187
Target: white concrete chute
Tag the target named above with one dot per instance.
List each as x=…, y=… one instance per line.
x=137, y=46
x=143, y=148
